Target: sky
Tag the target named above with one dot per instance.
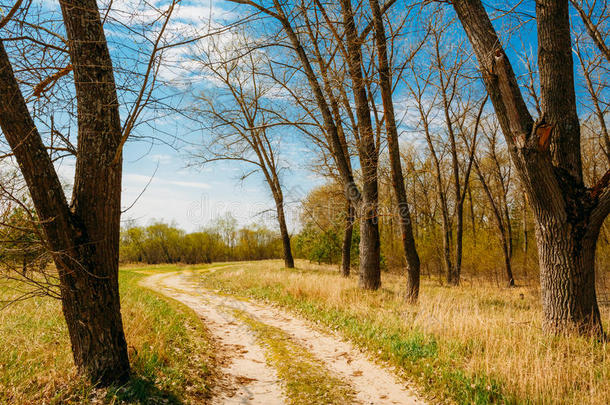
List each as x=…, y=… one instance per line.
x=160, y=181
x=159, y=185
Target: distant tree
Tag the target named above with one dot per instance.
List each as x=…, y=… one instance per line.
x=242, y=120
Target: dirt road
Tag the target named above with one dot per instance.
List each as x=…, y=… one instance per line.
x=249, y=375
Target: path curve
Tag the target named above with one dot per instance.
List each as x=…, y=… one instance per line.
x=250, y=379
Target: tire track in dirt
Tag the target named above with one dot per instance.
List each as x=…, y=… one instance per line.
x=249, y=379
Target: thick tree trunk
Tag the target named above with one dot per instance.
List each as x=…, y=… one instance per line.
x=370, y=274
x=346, y=248
x=99, y=342
x=567, y=275
x=288, y=259
x=398, y=181
x=370, y=271
x=84, y=238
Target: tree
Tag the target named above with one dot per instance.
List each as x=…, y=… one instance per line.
x=398, y=182
x=445, y=101
x=365, y=200
x=84, y=235
x=547, y=156
x=243, y=121
x=498, y=201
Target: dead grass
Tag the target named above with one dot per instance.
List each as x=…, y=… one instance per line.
x=487, y=337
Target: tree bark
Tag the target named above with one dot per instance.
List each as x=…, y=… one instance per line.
x=346, y=248
x=288, y=259
x=84, y=237
x=547, y=157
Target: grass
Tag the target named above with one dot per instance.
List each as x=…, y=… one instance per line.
x=170, y=352
x=305, y=379
x=465, y=345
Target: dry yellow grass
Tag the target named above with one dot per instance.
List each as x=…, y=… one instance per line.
x=170, y=352
x=482, y=331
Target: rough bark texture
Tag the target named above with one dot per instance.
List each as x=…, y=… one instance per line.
x=346, y=247
x=288, y=259
x=84, y=237
x=546, y=154
x=398, y=182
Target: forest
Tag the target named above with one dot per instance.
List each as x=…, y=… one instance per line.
x=304, y=201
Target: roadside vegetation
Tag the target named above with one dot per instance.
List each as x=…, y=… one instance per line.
x=170, y=352
x=479, y=344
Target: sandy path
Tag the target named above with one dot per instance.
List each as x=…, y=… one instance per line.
x=247, y=379
x=372, y=383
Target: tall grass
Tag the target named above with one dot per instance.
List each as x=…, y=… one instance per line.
x=471, y=344
x=170, y=352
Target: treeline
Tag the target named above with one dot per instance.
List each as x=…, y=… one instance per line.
x=324, y=216
x=222, y=241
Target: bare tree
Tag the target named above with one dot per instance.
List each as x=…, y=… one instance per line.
x=241, y=118
x=398, y=182
x=84, y=235
x=498, y=200
x=364, y=201
x=547, y=157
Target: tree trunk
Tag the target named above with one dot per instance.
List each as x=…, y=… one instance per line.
x=346, y=248
x=398, y=181
x=567, y=275
x=454, y=279
x=472, y=219
x=507, y=260
x=524, y=229
x=288, y=259
x=84, y=237
x=370, y=272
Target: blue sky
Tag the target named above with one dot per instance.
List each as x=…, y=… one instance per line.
x=191, y=197
x=157, y=182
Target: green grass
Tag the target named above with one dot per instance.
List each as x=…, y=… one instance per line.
x=305, y=379
x=170, y=352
